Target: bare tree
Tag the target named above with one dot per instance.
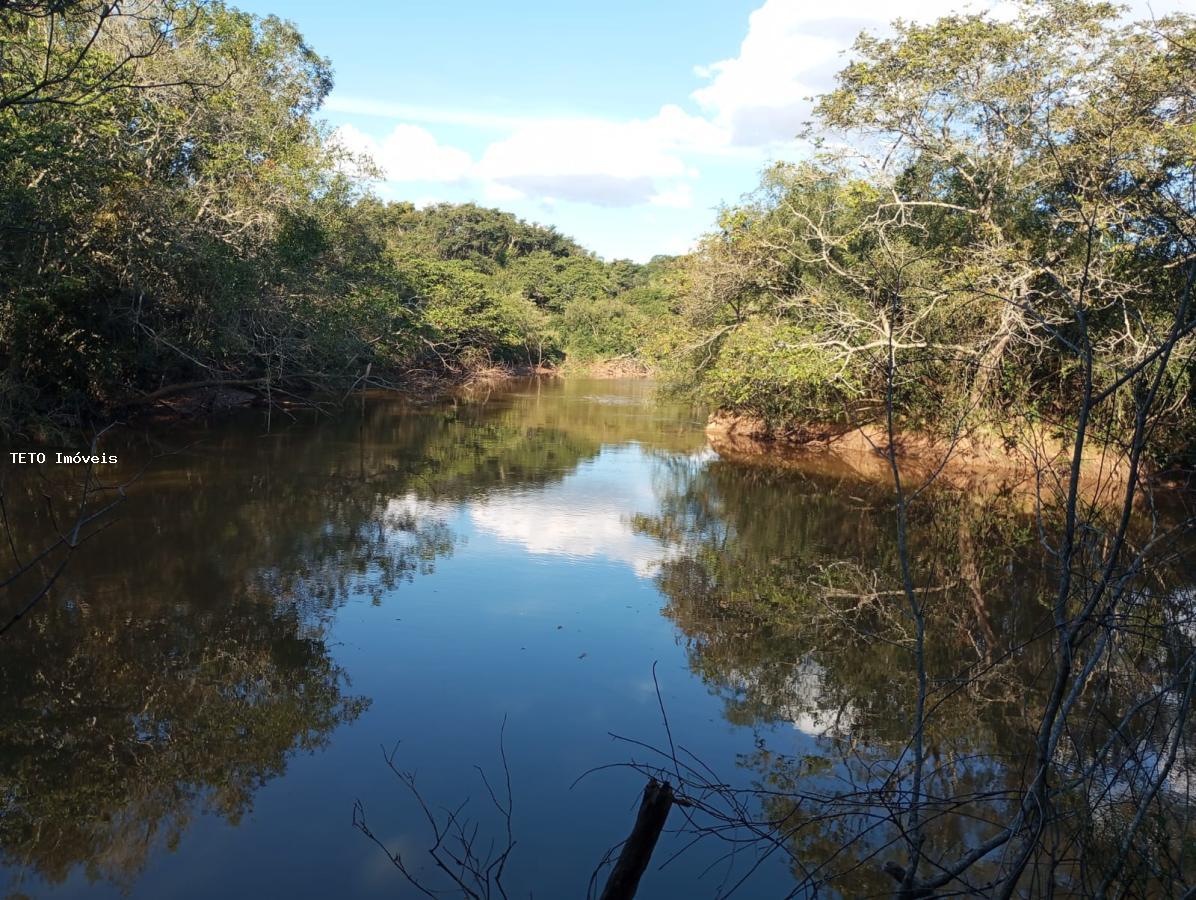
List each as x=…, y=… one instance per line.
x=470, y=865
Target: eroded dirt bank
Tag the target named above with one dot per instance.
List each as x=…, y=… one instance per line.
x=1020, y=459
x=610, y=367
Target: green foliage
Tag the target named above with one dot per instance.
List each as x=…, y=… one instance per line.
x=460, y=314
x=603, y=327
x=777, y=373
x=151, y=225
x=1031, y=218
x=191, y=220
x=487, y=238
x=171, y=212
x=553, y=282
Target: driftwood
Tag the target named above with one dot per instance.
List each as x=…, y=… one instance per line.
x=637, y=850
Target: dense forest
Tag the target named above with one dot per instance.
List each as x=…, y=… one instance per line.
x=998, y=224
x=175, y=213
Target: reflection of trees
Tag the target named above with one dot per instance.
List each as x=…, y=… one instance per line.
x=183, y=656
x=787, y=592
x=119, y=722
x=783, y=591
x=601, y=411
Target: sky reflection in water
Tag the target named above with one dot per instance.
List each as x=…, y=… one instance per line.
x=211, y=688
x=440, y=570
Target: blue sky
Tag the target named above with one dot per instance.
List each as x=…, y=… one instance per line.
x=624, y=123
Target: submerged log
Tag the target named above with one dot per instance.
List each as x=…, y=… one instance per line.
x=637, y=851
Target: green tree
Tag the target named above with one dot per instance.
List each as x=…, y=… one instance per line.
x=1032, y=182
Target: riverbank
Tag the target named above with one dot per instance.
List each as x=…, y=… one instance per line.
x=197, y=398
x=607, y=367
x=1018, y=458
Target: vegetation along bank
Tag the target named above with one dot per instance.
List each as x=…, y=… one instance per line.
x=994, y=224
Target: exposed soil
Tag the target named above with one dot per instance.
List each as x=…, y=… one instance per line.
x=1020, y=460
x=614, y=367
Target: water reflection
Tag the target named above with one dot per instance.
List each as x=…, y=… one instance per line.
x=587, y=517
x=122, y=723
x=786, y=587
x=422, y=573
x=185, y=656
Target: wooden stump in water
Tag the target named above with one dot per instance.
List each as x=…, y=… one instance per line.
x=637, y=851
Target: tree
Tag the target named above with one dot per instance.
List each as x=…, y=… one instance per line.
x=1023, y=170
x=1011, y=245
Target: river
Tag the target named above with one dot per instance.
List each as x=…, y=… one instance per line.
x=217, y=677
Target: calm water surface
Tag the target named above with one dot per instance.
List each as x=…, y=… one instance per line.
x=207, y=692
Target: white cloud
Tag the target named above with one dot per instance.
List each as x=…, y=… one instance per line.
x=791, y=53
x=748, y=110
x=582, y=517
x=794, y=48
x=500, y=193
x=600, y=161
x=427, y=200
x=678, y=196
x=804, y=702
x=409, y=153
x=584, y=160
x=553, y=532
x=677, y=244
